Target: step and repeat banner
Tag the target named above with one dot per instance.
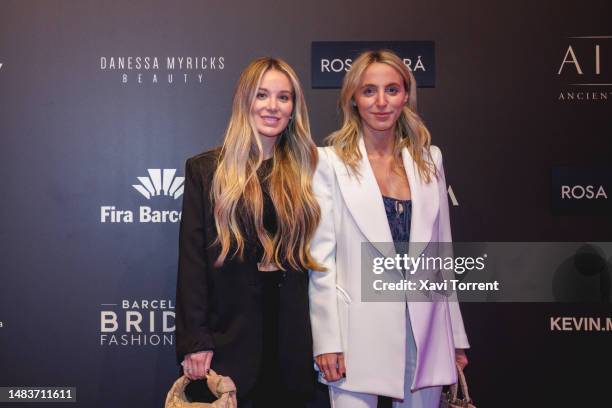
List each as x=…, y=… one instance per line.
x=101, y=102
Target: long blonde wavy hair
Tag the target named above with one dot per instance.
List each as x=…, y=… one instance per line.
x=236, y=188
x=410, y=131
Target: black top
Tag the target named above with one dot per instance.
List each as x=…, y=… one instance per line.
x=224, y=308
x=271, y=283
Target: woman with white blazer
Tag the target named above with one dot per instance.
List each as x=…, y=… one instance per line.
x=380, y=180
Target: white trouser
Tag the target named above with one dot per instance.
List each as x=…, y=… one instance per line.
x=423, y=398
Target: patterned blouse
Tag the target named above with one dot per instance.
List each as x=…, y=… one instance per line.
x=399, y=213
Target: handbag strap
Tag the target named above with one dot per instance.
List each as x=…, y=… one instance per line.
x=219, y=384
x=463, y=384
x=452, y=393
x=218, y=390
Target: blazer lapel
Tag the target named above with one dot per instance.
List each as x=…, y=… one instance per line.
x=364, y=201
x=425, y=202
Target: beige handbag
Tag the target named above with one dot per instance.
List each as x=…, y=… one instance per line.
x=449, y=399
x=222, y=387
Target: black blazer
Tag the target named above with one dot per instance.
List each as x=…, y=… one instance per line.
x=220, y=309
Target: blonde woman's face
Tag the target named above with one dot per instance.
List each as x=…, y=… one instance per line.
x=273, y=104
x=380, y=97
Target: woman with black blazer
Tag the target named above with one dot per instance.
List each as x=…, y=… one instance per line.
x=248, y=216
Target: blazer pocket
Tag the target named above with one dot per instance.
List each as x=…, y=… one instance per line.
x=342, y=293
x=343, y=303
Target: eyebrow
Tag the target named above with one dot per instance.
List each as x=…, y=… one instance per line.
x=284, y=90
x=390, y=84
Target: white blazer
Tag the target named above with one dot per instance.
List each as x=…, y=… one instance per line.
x=372, y=335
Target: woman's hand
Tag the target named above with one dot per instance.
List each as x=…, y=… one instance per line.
x=461, y=358
x=196, y=365
x=331, y=365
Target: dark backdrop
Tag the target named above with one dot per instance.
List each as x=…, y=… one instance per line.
x=75, y=138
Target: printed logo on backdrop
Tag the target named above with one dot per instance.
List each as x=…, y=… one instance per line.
x=581, y=324
x=160, y=182
x=332, y=59
x=584, y=69
x=161, y=69
x=160, y=186
x=136, y=323
x=581, y=191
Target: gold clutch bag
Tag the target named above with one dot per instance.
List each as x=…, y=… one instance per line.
x=222, y=387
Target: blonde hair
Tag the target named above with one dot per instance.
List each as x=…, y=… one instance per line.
x=410, y=131
x=236, y=188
